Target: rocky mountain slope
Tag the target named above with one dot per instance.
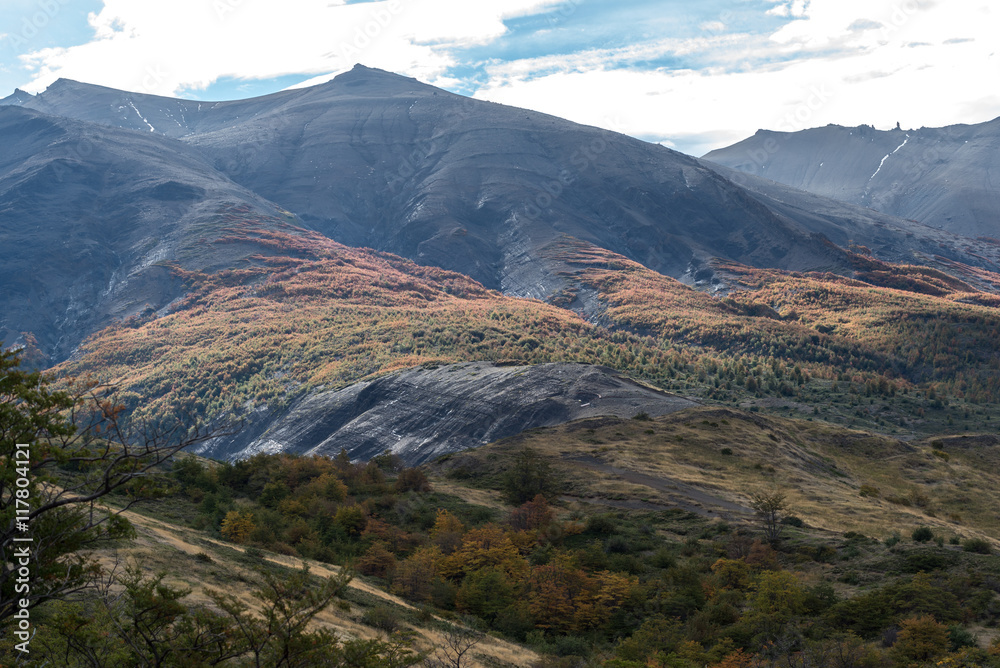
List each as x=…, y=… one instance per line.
x=943, y=177
x=88, y=216
x=213, y=252
x=378, y=160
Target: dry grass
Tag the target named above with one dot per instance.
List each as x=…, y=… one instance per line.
x=163, y=546
x=708, y=459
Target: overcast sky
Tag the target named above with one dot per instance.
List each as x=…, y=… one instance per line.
x=691, y=74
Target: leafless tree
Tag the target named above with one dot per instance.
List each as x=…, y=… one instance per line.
x=458, y=642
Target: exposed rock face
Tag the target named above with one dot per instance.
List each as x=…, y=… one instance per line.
x=421, y=413
x=943, y=177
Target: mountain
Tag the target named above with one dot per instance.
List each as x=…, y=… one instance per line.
x=165, y=116
x=89, y=215
x=377, y=160
x=943, y=177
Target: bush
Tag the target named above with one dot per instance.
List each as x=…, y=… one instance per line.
x=618, y=545
x=926, y=561
x=601, y=524
x=869, y=491
x=382, y=618
x=959, y=637
x=412, y=480
x=977, y=545
x=922, y=535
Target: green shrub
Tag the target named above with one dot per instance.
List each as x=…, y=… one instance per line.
x=922, y=534
x=959, y=637
x=618, y=545
x=977, y=545
x=382, y=618
x=601, y=524
x=926, y=561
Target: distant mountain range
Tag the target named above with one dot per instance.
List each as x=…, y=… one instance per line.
x=104, y=188
x=943, y=177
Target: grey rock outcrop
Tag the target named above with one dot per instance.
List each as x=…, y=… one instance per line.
x=421, y=413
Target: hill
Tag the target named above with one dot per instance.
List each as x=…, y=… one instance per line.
x=423, y=412
x=939, y=176
x=647, y=543
x=87, y=217
x=281, y=344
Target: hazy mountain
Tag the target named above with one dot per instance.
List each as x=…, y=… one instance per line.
x=944, y=177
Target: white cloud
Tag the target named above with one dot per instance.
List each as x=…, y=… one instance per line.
x=166, y=48
x=826, y=72
x=853, y=52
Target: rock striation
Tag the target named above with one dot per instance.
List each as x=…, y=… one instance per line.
x=423, y=413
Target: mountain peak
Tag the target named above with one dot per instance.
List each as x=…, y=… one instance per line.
x=63, y=83
x=380, y=80
x=17, y=98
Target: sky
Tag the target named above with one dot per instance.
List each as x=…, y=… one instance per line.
x=690, y=74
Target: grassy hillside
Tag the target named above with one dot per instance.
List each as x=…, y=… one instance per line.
x=315, y=313
x=853, y=352
x=709, y=460
x=643, y=550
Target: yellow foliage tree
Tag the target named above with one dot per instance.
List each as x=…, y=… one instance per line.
x=488, y=546
x=562, y=597
x=920, y=639
x=414, y=576
x=237, y=526
x=447, y=531
x=732, y=574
